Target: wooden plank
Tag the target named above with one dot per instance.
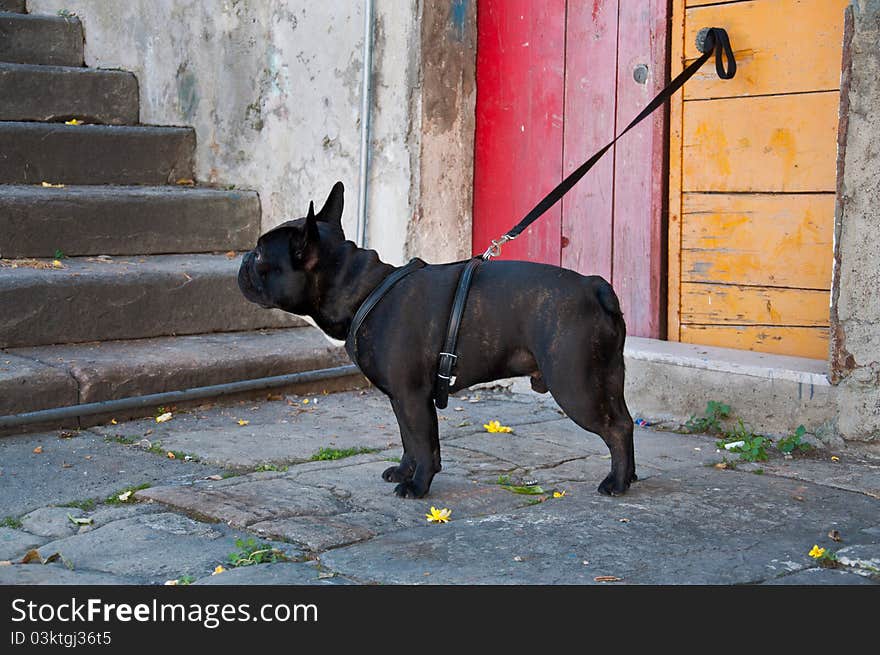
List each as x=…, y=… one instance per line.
x=761, y=239
x=795, y=341
x=518, y=140
x=804, y=55
x=676, y=116
x=771, y=143
x=590, y=101
x=639, y=171
x=697, y=3
x=717, y=304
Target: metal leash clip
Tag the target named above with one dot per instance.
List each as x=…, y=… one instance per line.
x=495, y=249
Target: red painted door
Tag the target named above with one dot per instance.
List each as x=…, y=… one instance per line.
x=555, y=81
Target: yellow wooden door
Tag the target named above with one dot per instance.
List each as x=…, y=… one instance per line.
x=752, y=165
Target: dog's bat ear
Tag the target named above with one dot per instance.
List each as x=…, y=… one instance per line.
x=311, y=234
x=304, y=244
x=331, y=212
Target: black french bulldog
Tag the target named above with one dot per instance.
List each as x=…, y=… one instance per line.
x=563, y=329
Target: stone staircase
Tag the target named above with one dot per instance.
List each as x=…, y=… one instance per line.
x=117, y=273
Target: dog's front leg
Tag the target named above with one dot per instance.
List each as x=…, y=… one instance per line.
x=417, y=420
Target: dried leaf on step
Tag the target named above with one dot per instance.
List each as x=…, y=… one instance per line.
x=607, y=578
x=49, y=185
x=834, y=535
x=214, y=477
x=38, y=450
x=163, y=417
x=231, y=254
x=82, y=520
x=185, y=181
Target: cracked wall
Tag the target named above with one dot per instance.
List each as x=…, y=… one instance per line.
x=273, y=91
x=855, y=311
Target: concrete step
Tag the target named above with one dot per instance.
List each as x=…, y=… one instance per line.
x=57, y=376
x=56, y=93
x=34, y=39
x=90, y=299
x=125, y=220
x=16, y=6
x=31, y=153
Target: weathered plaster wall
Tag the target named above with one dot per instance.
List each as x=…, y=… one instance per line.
x=855, y=318
x=441, y=228
x=273, y=91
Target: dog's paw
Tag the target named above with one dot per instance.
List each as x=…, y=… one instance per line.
x=396, y=474
x=409, y=490
x=610, y=487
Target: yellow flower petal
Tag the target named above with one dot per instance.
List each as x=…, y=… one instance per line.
x=835, y=458
x=816, y=552
x=558, y=494
x=218, y=570
x=438, y=515
x=113, y=421
x=56, y=263
x=73, y=121
x=242, y=422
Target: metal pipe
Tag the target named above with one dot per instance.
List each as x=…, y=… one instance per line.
x=366, y=104
x=170, y=397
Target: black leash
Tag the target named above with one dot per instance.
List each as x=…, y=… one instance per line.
x=710, y=40
x=372, y=300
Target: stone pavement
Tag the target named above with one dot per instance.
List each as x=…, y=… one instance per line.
x=251, y=470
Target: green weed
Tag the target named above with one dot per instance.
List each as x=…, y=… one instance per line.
x=326, y=454
x=711, y=419
x=252, y=552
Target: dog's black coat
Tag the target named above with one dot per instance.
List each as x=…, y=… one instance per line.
x=561, y=328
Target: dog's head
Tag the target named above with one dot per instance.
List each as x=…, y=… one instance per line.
x=278, y=272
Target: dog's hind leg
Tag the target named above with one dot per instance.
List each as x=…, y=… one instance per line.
x=417, y=420
x=403, y=471
x=596, y=404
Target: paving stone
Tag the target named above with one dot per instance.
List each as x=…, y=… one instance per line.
x=15, y=543
x=151, y=548
x=279, y=573
x=248, y=500
x=823, y=577
x=862, y=558
x=710, y=526
x=58, y=574
x=852, y=472
x=320, y=533
x=52, y=522
x=277, y=432
x=82, y=467
x=368, y=491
